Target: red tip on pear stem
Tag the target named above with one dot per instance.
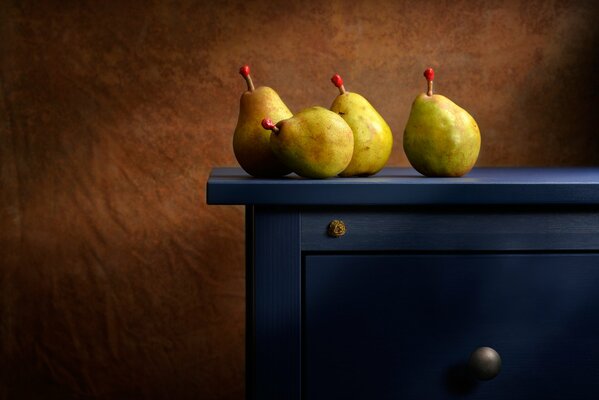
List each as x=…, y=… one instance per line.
x=429, y=74
x=245, y=72
x=269, y=125
x=337, y=81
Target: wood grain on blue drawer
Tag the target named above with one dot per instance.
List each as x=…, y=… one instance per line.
x=401, y=327
x=376, y=229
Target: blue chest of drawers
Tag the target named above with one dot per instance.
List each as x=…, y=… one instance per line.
x=382, y=287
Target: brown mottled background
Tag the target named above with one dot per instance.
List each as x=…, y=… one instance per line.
x=116, y=280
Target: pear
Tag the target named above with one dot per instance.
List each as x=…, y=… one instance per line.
x=373, y=139
x=441, y=138
x=251, y=143
x=314, y=143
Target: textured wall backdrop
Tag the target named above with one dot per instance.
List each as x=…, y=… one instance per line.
x=116, y=280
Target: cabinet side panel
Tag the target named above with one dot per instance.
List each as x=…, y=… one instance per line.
x=249, y=303
x=277, y=304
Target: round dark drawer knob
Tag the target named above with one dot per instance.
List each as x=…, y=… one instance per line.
x=336, y=228
x=485, y=363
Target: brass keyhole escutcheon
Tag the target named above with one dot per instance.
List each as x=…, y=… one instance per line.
x=336, y=228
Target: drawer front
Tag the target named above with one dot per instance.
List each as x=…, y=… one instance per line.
x=403, y=326
x=452, y=229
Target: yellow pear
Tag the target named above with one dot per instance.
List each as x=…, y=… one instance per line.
x=373, y=139
x=441, y=138
x=314, y=143
x=251, y=143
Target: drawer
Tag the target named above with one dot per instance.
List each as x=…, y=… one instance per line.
x=403, y=326
x=461, y=229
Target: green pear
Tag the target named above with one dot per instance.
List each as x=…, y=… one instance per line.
x=314, y=143
x=441, y=138
x=251, y=143
x=373, y=139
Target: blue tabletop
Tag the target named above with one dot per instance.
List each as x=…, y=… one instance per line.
x=405, y=186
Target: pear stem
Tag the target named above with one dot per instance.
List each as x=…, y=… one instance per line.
x=248, y=79
x=338, y=82
x=269, y=125
x=429, y=74
x=245, y=72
